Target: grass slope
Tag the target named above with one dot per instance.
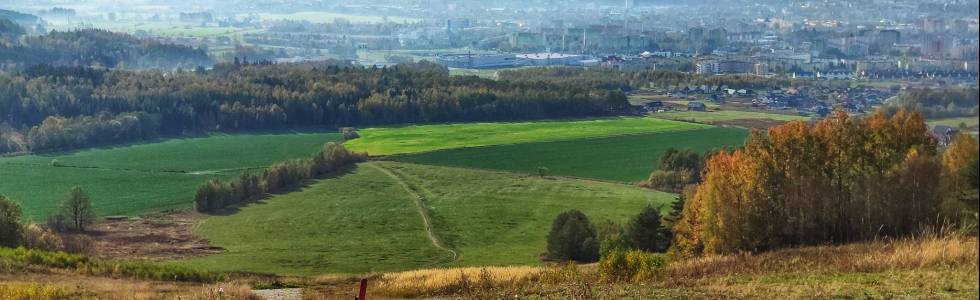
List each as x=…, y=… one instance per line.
x=147, y=177
x=627, y=158
x=422, y=138
x=360, y=222
x=367, y=220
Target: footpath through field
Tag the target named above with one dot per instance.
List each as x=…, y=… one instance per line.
x=416, y=192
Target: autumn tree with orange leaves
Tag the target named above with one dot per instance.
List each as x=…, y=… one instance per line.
x=840, y=180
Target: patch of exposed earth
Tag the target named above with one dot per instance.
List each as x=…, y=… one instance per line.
x=154, y=237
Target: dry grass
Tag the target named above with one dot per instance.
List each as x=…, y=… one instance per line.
x=55, y=286
x=880, y=256
x=453, y=280
x=930, y=267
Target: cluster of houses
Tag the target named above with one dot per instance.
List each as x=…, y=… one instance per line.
x=818, y=101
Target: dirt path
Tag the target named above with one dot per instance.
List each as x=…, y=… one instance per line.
x=280, y=294
x=420, y=205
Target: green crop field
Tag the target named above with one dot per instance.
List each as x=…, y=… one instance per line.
x=140, y=178
x=955, y=122
x=367, y=220
x=726, y=115
x=422, y=138
x=628, y=158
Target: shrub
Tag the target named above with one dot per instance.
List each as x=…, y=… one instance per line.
x=10, y=228
x=572, y=238
x=78, y=244
x=37, y=237
x=349, y=133
x=631, y=265
x=543, y=171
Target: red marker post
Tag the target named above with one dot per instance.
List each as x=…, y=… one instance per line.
x=363, y=292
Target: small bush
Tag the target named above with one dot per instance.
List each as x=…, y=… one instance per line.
x=79, y=244
x=669, y=180
x=631, y=265
x=349, y=133
x=543, y=171
x=37, y=237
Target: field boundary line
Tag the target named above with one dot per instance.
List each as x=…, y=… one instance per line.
x=423, y=211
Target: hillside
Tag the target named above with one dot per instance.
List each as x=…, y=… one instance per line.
x=367, y=220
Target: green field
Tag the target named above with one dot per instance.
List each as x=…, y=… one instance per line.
x=628, y=158
x=367, y=220
x=955, y=122
x=140, y=178
x=422, y=138
x=726, y=115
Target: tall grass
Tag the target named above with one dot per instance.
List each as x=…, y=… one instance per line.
x=878, y=256
x=590, y=281
x=24, y=260
x=33, y=291
x=454, y=280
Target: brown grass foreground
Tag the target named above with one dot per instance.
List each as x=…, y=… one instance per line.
x=930, y=267
x=48, y=286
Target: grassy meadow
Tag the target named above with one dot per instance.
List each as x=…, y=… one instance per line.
x=367, y=220
x=146, y=177
x=626, y=158
x=422, y=138
x=956, y=122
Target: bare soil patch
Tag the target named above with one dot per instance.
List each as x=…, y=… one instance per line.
x=154, y=237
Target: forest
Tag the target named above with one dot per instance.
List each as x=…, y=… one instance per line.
x=93, y=48
x=48, y=108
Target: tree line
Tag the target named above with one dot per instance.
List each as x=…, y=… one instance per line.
x=45, y=107
x=216, y=194
x=842, y=179
x=941, y=103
